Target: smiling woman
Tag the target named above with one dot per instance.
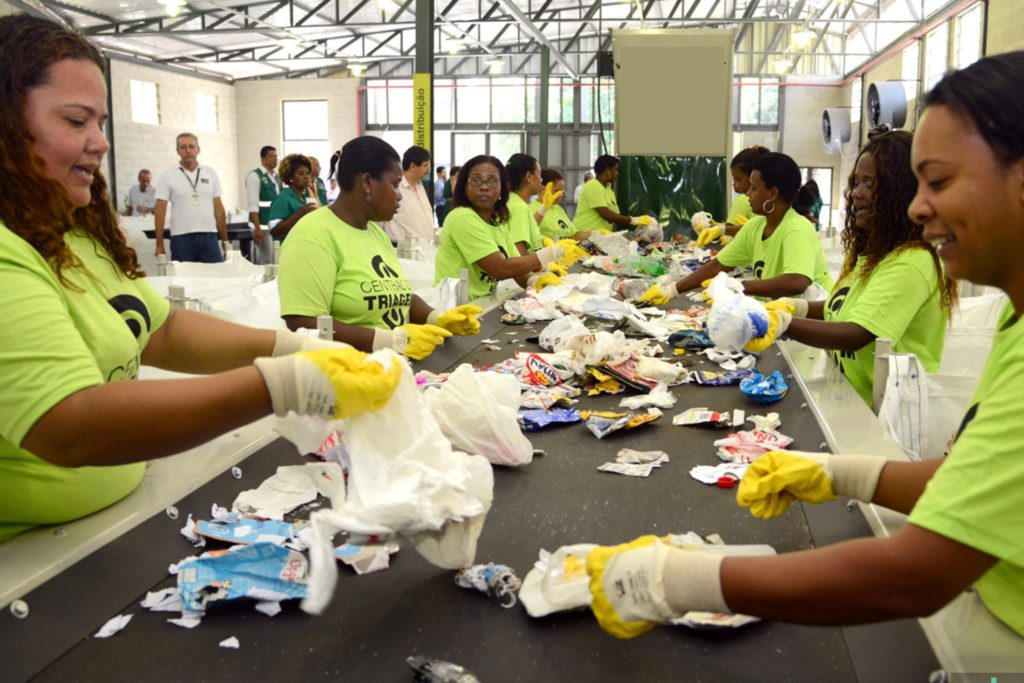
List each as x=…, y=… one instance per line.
x=79, y=319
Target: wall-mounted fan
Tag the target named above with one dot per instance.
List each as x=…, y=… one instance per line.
x=835, y=128
x=887, y=104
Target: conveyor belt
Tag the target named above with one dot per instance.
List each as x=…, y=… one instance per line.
x=377, y=620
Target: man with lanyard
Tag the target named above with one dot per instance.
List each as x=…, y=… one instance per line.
x=261, y=187
x=598, y=208
x=142, y=197
x=198, y=216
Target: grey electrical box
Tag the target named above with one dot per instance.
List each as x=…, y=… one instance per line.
x=673, y=90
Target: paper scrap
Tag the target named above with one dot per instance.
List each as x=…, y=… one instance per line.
x=271, y=608
x=187, y=620
x=769, y=421
x=710, y=474
x=113, y=626
x=629, y=470
x=163, y=600
x=628, y=456
x=231, y=642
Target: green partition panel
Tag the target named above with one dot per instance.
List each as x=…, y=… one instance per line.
x=672, y=189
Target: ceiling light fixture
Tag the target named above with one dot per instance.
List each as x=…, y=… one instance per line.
x=173, y=6
x=495, y=64
x=803, y=38
x=782, y=65
x=357, y=70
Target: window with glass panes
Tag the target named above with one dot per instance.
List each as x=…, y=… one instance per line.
x=305, y=130
x=936, y=55
x=758, y=101
x=967, y=43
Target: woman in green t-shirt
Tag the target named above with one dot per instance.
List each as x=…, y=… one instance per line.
x=476, y=236
x=740, y=168
x=291, y=204
x=892, y=284
x=965, y=512
x=778, y=244
x=339, y=262
x=555, y=222
x=80, y=318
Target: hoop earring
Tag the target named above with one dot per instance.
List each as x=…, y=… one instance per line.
x=368, y=198
x=764, y=207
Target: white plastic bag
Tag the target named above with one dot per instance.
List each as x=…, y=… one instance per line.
x=615, y=244
x=478, y=413
x=731, y=322
x=650, y=233
x=559, y=333
x=404, y=480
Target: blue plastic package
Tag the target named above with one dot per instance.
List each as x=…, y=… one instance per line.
x=262, y=571
x=765, y=389
x=760, y=324
x=691, y=340
x=535, y=420
x=720, y=379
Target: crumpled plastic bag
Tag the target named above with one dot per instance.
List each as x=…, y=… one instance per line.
x=559, y=333
x=701, y=221
x=650, y=233
x=404, y=480
x=479, y=413
x=735, y=318
x=615, y=244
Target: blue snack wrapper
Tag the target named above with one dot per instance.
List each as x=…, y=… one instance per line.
x=237, y=529
x=535, y=420
x=765, y=389
x=760, y=324
x=720, y=378
x=262, y=571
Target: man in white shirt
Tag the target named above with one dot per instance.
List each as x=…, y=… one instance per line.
x=440, y=175
x=261, y=187
x=197, y=216
x=415, y=215
x=587, y=177
x=142, y=197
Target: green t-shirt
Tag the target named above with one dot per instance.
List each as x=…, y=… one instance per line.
x=329, y=267
x=321, y=192
x=740, y=207
x=556, y=223
x=792, y=249
x=521, y=223
x=56, y=341
x=285, y=204
x=465, y=239
x=974, y=497
x=593, y=196
x=901, y=300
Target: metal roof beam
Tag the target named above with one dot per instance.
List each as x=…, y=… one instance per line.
x=538, y=35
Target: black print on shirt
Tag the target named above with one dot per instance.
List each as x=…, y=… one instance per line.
x=133, y=312
x=971, y=413
x=835, y=304
x=388, y=294
x=487, y=277
x=758, y=269
x=382, y=269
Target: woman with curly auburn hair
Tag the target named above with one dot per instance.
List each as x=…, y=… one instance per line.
x=291, y=204
x=79, y=319
x=892, y=284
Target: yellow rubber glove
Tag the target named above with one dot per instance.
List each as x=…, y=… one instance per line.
x=539, y=282
x=641, y=221
x=573, y=252
x=704, y=293
x=725, y=239
x=795, y=307
x=600, y=231
x=328, y=383
x=461, y=320
x=558, y=269
x=656, y=295
x=625, y=587
x=546, y=241
x=418, y=341
x=549, y=197
x=778, y=323
x=777, y=478
x=709, y=235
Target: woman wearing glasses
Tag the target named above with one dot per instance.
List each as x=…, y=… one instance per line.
x=337, y=261
x=476, y=235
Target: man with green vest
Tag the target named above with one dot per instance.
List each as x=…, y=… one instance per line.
x=261, y=186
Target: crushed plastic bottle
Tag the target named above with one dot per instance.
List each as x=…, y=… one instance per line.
x=642, y=265
x=431, y=670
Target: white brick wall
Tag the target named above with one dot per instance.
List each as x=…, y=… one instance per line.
x=139, y=145
x=259, y=115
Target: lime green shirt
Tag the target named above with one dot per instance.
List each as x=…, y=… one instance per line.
x=521, y=223
x=900, y=300
x=793, y=249
x=56, y=341
x=740, y=207
x=556, y=223
x=329, y=267
x=595, y=195
x=465, y=239
x=974, y=497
